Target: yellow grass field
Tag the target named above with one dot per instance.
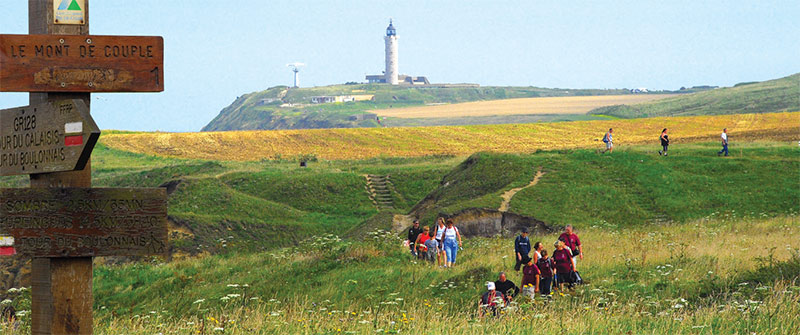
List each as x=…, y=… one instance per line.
x=547, y=105
x=362, y=143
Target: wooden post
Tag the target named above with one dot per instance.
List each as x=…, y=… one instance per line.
x=61, y=291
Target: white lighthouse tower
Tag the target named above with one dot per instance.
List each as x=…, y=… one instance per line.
x=391, y=72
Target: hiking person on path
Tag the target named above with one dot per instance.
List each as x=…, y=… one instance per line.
x=564, y=265
x=491, y=300
x=522, y=247
x=422, y=248
x=546, y=267
x=506, y=286
x=664, y=142
x=530, y=278
x=537, y=251
x=433, y=249
x=452, y=241
x=413, y=233
x=438, y=234
x=572, y=242
x=724, y=142
x=608, y=140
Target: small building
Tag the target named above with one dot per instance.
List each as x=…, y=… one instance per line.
x=324, y=99
x=401, y=79
x=362, y=117
x=266, y=101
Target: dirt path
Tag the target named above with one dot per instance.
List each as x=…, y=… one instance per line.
x=510, y=193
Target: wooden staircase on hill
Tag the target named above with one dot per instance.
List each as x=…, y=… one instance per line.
x=379, y=188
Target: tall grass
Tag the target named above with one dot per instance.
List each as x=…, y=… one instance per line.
x=711, y=276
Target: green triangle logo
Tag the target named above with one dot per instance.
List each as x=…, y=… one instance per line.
x=74, y=5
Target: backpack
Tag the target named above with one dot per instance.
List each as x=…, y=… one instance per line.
x=605, y=138
x=545, y=267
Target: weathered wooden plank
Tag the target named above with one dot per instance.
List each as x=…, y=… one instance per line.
x=84, y=222
x=81, y=63
x=50, y=137
x=47, y=301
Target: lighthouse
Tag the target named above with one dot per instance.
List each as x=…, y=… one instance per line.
x=391, y=72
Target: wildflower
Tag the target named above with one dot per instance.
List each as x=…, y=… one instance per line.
x=198, y=301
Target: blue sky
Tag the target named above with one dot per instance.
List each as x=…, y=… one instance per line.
x=218, y=50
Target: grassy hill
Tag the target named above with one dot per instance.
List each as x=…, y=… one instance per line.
x=779, y=95
x=269, y=255
x=281, y=107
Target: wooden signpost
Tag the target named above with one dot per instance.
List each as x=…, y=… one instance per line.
x=49, y=137
x=85, y=222
x=74, y=63
x=61, y=221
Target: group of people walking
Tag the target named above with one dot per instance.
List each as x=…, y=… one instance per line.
x=664, y=138
x=540, y=273
x=440, y=244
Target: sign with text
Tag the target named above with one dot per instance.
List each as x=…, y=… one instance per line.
x=85, y=222
x=69, y=11
x=50, y=137
x=81, y=63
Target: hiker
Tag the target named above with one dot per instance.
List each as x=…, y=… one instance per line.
x=724, y=142
x=433, y=249
x=507, y=287
x=609, y=141
x=438, y=233
x=452, y=241
x=545, y=266
x=522, y=247
x=537, y=251
x=564, y=264
x=572, y=242
x=664, y=142
x=491, y=300
x=423, y=237
x=530, y=278
x=413, y=233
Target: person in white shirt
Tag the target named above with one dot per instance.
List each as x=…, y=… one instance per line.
x=724, y=142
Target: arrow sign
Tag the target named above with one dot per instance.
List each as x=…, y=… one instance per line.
x=51, y=137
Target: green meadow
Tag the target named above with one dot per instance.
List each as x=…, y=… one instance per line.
x=691, y=243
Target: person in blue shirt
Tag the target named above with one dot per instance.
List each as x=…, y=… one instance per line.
x=609, y=140
x=522, y=247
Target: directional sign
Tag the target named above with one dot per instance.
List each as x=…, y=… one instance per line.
x=81, y=63
x=85, y=222
x=49, y=137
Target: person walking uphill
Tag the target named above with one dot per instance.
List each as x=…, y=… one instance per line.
x=438, y=234
x=522, y=247
x=664, y=142
x=724, y=142
x=572, y=242
x=609, y=141
x=452, y=241
x=413, y=233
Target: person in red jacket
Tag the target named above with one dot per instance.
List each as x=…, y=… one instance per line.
x=546, y=266
x=565, y=265
x=572, y=242
x=530, y=277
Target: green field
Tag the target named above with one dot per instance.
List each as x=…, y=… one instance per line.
x=779, y=95
x=268, y=246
